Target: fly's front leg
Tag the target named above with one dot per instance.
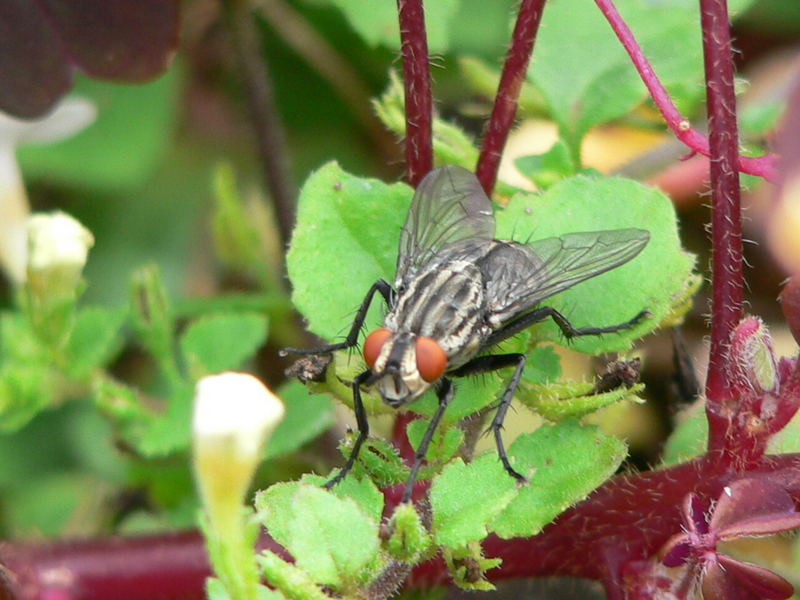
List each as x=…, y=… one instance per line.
x=445, y=393
x=352, y=337
x=363, y=429
x=484, y=364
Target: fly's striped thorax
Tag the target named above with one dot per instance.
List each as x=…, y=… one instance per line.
x=446, y=301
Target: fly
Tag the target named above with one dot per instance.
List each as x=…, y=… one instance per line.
x=457, y=293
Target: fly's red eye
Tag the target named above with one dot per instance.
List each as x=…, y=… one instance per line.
x=373, y=345
x=431, y=359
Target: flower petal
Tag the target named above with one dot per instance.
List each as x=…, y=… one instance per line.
x=760, y=581
x=747, y=500
x=677, y=549
x=761, y=525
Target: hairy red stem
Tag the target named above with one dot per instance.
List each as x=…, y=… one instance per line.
x=419, y=98
x=628, y=518
x=507, y=98
x=763, y=166
x=726, y=222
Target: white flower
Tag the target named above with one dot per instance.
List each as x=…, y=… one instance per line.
x=67, y=118
x=234, y=413
x=57, y=245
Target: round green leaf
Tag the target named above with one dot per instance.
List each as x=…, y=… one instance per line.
x=219, y=342
x=567, y=461
x=652, y=281
x=346, y=238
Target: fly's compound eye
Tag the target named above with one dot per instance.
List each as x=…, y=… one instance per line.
x=431, y=359
x=373, y=345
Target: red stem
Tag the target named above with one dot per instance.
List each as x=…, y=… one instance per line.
x=627, y=519
x=419, y=98
x=507, y=99
x=763, y=166
x=726, y=224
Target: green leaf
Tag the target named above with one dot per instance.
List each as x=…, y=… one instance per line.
x=18, y=342
x=451, y=144
x=690, y=437
x=785, y=441
x=542, y=366
x=466, y=497
x=25, y=391
x=546, y=169
x=471, y=395
x=379, y=460
x=94, y=340
x=445, y=443
x=154, y=320
x=409, y=539
x=468, y=567
x=122, y=147
x=236, y=230
x=652, y=281
x=330, y=537
x=568, y=461
x=286, y=577
x=377, y=22
x=602, y=82
x=307, y=416
x=51, y=503
x=363, y=491
x=563, y=400
x=346, y=238
x=171, y=431
x=221, y=342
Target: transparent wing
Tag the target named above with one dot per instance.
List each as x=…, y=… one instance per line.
x=449, y=206
x=530, y=273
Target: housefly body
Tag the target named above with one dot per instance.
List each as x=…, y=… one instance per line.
x=458, y=292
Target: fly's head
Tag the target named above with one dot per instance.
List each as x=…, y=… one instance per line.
x=404, y=365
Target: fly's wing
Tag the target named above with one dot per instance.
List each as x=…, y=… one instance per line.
x=545, y=267
x=449, y=206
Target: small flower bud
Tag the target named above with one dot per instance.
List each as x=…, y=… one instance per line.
x=752, y=361
x=58, y=246
x=234, y=414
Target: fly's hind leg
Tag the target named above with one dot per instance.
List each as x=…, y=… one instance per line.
x=571, y=331
x=484, y=364
x=352, y=337
x=363, y=429
x=567, y=328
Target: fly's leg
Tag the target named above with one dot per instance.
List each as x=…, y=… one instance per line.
x=445, y=393
x=352, y=337
x=484, y=364
x=569, y=331
x=363, y=429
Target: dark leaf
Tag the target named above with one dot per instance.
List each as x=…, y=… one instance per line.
x=43, y=43
x=694, y=514
x=748, y=501
x=676, y=550
x=758, y=581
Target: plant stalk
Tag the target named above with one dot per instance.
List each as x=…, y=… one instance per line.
x=763, y=166
x=270, y=137
x=507, y=99
x=419, y=98
x=726, y=222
